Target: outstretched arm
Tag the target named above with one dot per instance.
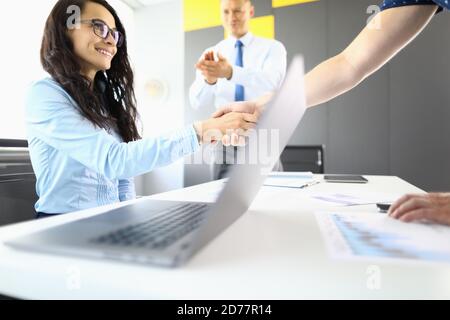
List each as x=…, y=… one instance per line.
x=387, y=34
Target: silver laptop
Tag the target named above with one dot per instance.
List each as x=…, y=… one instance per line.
x=168, y=233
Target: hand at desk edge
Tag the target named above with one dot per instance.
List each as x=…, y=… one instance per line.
x=433, y=207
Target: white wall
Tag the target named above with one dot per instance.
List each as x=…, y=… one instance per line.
x=160, y=55
x=19, y=59
x=126, y=15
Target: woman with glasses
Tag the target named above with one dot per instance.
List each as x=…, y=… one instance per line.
x=82, y=130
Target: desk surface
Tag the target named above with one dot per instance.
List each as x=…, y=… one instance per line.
x=275, y=251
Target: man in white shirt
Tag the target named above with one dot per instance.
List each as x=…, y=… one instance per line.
x=240, y=68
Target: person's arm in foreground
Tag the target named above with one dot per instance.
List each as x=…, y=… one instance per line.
x=387, y=34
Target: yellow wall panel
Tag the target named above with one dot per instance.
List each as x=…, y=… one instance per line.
x=201, y=14
x=285, y=3
x=262, y=27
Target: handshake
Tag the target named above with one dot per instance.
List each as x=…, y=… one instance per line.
x=230, y=124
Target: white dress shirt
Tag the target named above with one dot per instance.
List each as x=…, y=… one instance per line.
x=264, y=71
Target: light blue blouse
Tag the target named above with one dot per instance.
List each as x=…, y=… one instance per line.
x=80, y=166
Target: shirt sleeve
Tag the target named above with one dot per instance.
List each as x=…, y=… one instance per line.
x=127, y=190
x=202, y=94
x=270, y=77
x=53, y=117
x=388, y=4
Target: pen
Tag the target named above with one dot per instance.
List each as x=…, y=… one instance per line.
x=294, y=187
x=310, y=184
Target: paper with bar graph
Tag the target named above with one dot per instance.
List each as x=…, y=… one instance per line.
x=376, y=236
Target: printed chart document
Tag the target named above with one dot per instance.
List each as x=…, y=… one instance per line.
x=370, y=235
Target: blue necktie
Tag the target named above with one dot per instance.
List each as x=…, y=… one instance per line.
x=239, y=93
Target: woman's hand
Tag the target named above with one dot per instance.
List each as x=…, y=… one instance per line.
x=231, y=128
x=434, y=207
x=253, y=108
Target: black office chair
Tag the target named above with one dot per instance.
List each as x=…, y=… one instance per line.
x=17, y=183
x=304, y=158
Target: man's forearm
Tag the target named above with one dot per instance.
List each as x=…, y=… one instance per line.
x=325, y=82
x=329, y=80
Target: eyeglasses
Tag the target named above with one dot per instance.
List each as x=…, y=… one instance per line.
x=102, y=30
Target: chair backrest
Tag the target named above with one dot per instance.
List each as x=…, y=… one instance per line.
x=17, y=183
x=304, y=158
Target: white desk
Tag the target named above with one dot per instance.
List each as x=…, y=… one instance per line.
x=275, y=251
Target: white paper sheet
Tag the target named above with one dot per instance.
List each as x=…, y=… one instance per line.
x=355, y=199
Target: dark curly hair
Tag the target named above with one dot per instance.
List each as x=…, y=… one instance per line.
x=119, y=111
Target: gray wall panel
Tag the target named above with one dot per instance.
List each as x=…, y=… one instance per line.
x=359, y=130
x=262, y=7
x=302, y=29
x=420, y=109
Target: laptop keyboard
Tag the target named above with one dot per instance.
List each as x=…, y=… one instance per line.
x=159, y=231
